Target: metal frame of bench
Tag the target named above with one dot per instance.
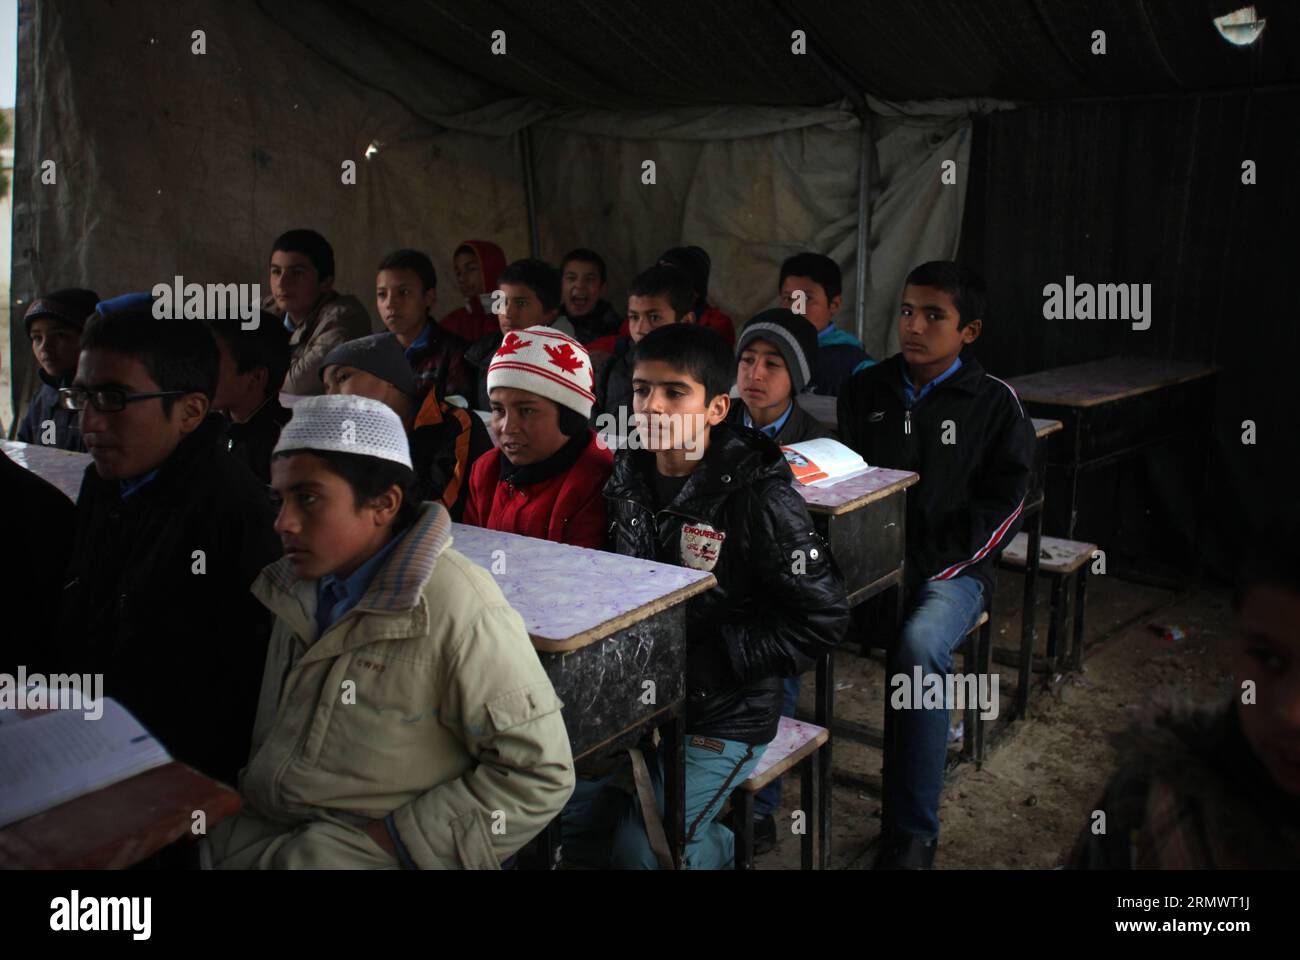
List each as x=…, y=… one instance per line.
x=814, y=772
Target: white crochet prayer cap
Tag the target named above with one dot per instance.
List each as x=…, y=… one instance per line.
x=544, y=361
x=345, y=424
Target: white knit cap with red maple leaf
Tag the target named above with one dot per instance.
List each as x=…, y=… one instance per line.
x=544, y=361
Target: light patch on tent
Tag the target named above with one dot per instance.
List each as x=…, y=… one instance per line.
x=372, y=149
x=1241, y=27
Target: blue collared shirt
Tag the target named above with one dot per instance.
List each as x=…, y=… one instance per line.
x=335, y=597
x=419, y=342
x=773, y=428
x=128, y=487
x=289, y=324
x=911, y=397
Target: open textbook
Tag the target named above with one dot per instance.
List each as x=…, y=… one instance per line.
x=51, y=757
x=822, y=462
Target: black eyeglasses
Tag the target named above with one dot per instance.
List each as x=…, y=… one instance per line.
x=109, y=400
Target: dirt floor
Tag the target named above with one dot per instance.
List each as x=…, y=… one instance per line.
x=1027, y=803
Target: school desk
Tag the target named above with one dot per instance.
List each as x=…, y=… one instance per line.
x=119, y=825
x=611, y=632
x=1113, y=411
x=62, y=468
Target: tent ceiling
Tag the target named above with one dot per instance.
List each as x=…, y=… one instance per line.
x=688, y=52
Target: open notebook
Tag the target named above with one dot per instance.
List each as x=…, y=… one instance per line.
x=52, y=757
x=823, y=462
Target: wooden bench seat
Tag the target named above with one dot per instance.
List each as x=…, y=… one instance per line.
x=1055, y=555
x=794, y=741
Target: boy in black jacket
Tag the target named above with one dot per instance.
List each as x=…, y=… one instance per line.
x=719, y=499
x=933, y=409
x=252, y=370
x=170, y=532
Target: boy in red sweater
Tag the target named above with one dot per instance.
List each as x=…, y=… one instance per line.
x=546, y=479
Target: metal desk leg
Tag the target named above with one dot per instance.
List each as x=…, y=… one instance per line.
x=1028, y=616
x=1056, y=641
x=824, y=712
x=674, y=749
x=1076, y=651
x=810, y=796
x=742, y=807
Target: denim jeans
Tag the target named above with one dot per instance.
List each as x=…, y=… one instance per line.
x=769, y=798
x=601, y=825
x=940, y=617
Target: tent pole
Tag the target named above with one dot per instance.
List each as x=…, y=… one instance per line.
x=865, y=155
x=530, y=193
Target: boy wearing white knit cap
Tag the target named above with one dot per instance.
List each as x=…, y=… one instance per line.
x=545, y=481
x=404, y=717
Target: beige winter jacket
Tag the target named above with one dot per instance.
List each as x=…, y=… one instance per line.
x=336, y=318
x=425, y=700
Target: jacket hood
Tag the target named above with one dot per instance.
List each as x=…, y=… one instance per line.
x=491, y=261
x=396, y=587
x=737, y=457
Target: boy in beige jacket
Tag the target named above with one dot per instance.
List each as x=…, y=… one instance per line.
x=405, y=719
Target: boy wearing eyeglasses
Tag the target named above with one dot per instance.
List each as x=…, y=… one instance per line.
x=171, y=530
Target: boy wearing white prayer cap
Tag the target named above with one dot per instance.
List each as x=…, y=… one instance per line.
x=405, y=719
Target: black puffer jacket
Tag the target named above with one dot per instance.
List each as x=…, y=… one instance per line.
x=779, y=602
x=182, y=646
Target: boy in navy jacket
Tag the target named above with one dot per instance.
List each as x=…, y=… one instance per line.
x=933, y=409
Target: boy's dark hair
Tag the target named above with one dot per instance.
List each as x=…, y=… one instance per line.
x=311, y=245
x=267, y=345
x=178, y=354
x=822, y=270
x=963, y=284
x=369, y=477
x=1274, y=561
x=415, y=261
x=463, y=248
x=538, y=276
x=586, y=256
x=697, y=351
x=663, y=280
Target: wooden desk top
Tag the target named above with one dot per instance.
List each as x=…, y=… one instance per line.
x=1103, y=381
x=1045, y=428
x=856, y=491
x=120, y=825
x=570, y=597
x=62, y=468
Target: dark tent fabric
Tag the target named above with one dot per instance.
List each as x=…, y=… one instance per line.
x=1152, y=191
x=1119, y=167
x=624, y=55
